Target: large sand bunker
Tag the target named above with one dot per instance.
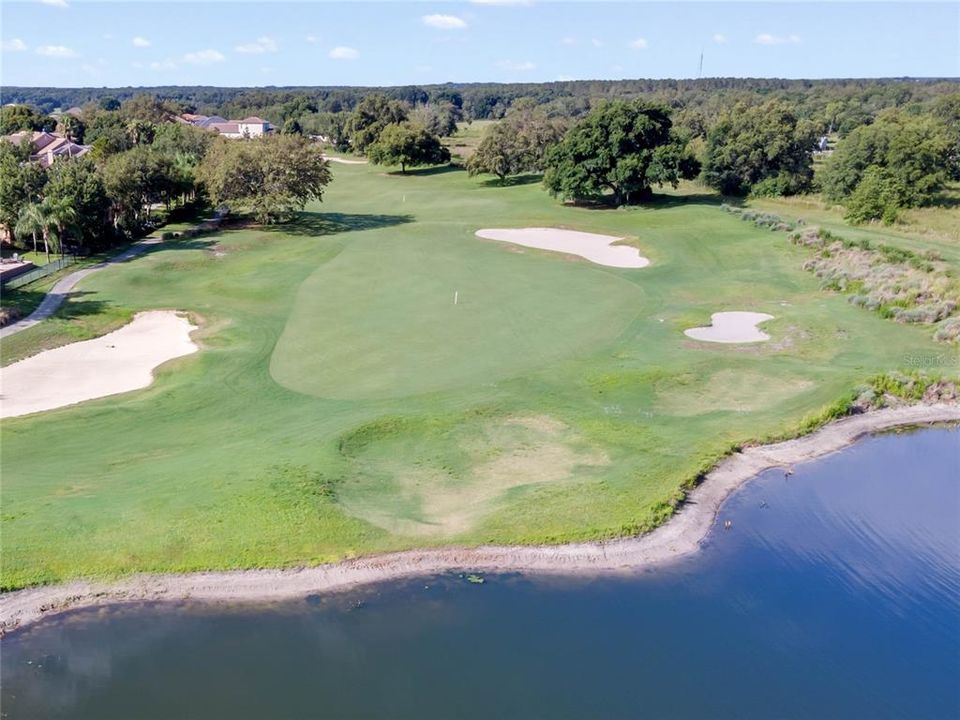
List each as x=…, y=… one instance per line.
x=731, y=327
x=597, y=249
x=115, y=363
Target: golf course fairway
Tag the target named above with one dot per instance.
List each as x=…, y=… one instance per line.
x=374, y=377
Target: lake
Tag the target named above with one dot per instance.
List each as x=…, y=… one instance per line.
x=835, y=594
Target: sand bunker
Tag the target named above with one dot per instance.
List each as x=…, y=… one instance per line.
x=115, y=363
x=590, y=246
x=344, y=161
x=731, y=327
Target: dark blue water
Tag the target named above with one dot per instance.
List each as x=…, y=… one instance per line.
x=836, y=594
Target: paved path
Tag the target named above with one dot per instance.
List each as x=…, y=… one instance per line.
x=54, y=299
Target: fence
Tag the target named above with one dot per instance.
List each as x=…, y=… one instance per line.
x=37, y=273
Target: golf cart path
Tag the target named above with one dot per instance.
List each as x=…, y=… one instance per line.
x=58, y=293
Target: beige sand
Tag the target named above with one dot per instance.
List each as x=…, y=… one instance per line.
x=344, y=161
x=678, y=537
x=118, y=362
x=731, y=327
x=590, y=246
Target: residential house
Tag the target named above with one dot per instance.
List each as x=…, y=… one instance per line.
x=47, y=146
x=250, y=127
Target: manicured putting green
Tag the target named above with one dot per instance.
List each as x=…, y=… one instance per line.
x=410, y=314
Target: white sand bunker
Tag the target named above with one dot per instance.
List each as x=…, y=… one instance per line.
x=344, y=161
x=590, y=246
x=731, y=327
x=118, y=362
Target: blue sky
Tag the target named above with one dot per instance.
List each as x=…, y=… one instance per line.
x=82, y=43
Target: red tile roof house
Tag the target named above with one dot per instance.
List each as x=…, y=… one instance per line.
x=247, y=128
x=47, y=147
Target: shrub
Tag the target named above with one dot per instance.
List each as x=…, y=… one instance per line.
x=876, y=197
x=948, y=331
x=897, y=283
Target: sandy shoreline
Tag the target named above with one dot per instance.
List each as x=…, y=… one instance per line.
x=678, y=537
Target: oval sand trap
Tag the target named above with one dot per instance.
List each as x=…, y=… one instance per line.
x=590, y=246
x=117, y=362
x=731, y=327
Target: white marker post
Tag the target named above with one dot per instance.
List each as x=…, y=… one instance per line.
x=456, y=296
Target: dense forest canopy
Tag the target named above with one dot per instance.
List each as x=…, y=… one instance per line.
x=838, y=103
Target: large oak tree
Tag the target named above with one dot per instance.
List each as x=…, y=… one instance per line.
x=373, y=114
x=272, y=177
x=621, y=148
x=519, y=143
x=761, y=149
x=407, y=145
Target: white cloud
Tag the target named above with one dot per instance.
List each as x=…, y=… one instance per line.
x=204, y=57
x=768, y=39
x=56, y=51
x=597, y=42
x=569, y=41
x=55, y=3
x=516, y=66
x=639, y=44
x=163, y=65
x=344, y=53
x=259, y=46
x=500, y=2
x=13, y=45
x=444, y=22
x=139, y=41
x=312, y=39
x=719, y=38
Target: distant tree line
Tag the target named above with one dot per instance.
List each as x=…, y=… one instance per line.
x=897, y=142
x=837, y=105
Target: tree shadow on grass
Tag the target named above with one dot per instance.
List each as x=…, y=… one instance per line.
x=202, y=242
x=19, y=303
x=945, y=200
x=664, y=200
x=513, y=181
x=654, y=201
x=76, y=307
x=426, y=172
x=318, y=224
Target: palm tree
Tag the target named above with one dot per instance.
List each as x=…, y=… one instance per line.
x=30, y=221
x=59, y=215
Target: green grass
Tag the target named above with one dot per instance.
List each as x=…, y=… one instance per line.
x=343, y=405
x=931, y=228
x=81, y=317
x=465, y=141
